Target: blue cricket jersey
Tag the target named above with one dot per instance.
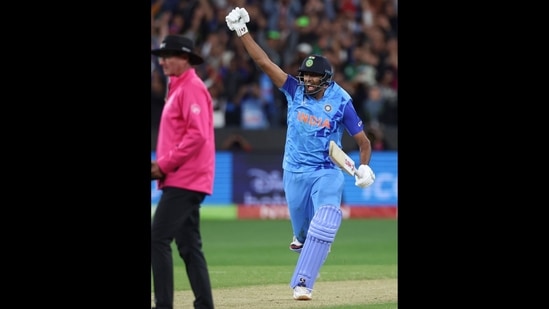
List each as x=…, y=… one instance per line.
x=313, y=123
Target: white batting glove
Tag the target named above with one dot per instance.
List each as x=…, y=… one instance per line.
x=244, y=14
x=366, y=177
x=231, y=18
x=237, y=19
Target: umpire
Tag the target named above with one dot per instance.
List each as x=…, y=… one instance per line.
x=184, y=170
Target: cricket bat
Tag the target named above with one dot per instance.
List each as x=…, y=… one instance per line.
x=342, y=160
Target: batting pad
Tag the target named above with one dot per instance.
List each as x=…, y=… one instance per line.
x=321, y=234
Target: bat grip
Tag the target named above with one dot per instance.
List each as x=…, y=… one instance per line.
x=359, y=173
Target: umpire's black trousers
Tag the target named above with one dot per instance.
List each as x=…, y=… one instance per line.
x=177, y=217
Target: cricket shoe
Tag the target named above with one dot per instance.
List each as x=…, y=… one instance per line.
x=296, y=245
x=302, y=293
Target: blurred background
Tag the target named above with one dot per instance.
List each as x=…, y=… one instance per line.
x=360, y=39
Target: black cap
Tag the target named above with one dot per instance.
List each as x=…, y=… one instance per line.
x=177, y=43
x=316, y=64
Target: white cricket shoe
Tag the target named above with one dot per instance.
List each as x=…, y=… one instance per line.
x=302, y=293
x=296, y=245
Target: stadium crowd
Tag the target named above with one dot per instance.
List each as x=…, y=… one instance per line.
x=359, y=38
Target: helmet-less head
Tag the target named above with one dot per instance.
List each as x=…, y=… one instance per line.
x=316, y=72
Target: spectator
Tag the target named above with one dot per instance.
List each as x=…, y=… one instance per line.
x=235, y=76
x=253, y=107
x=377, y=138
x=374, y=105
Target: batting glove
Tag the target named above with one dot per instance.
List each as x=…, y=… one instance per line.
x=366, y=177
x=237, y=19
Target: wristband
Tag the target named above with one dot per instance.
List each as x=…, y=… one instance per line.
x=241, y=29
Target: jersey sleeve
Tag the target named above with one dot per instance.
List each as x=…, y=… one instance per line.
x=289, y=88
x=351, y=120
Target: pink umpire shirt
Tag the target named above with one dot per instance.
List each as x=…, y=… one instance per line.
x=185, y=149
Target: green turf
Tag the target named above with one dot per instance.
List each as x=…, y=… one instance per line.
x=217, y=212
x=225, y=212
x=251, y=252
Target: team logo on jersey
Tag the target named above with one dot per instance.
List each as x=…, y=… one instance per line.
x=195, y=109
x=327, y=107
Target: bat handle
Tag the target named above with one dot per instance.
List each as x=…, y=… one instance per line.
x=358, y=173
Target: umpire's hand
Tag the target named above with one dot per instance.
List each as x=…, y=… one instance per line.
x=156, y=172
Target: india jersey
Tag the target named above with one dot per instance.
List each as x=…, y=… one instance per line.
x=313, y=123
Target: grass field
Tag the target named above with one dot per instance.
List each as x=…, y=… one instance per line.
x=252, y=255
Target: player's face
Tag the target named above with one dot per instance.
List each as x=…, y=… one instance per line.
x=311, y=81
